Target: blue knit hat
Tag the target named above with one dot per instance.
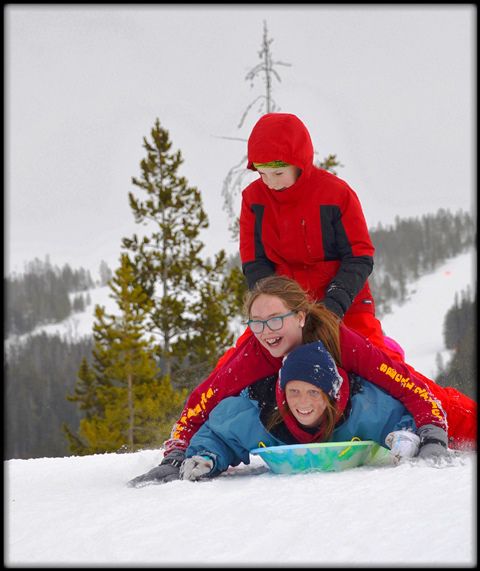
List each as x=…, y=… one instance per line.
x=313, y=364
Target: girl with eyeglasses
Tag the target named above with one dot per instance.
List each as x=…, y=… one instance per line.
x=378, y=397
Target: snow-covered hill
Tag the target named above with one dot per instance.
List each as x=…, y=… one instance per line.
x=78, y=511
x=418, y=325
x=77, y=324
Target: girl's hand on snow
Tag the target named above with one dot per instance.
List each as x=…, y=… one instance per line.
x=403, y=444
x=196, y=467
x=167, y=471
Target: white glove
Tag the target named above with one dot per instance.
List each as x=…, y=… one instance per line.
x=403, y=443
x=195, y=468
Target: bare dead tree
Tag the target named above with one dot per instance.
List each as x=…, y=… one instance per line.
x=266, y=67
x=233, y=182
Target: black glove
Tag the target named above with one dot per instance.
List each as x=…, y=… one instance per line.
x=333, y=306
x=167, y=471
x=337, y=299
x=433, y=442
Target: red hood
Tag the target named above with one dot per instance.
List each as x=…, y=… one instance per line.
x=280, y=137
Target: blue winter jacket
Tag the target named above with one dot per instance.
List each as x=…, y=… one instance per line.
x=234, y=427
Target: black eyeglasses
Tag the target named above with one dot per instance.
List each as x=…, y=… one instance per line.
x=274, y=323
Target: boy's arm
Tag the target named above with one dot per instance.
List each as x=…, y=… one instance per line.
x=354, y=249
x=347, y=283
x=255, y=264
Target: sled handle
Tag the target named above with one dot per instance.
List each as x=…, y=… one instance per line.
x=355, y=438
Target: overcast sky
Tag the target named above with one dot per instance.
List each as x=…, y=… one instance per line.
x=389, y=89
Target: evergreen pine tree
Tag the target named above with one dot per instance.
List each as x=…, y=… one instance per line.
x=169, y=266
x=218, y=302
x=127, y=402
x=86, y=397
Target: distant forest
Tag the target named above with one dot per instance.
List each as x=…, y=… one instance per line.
x=39, y=373
x=45, y=294
x=41, y=370
x=413, y=247
x=459, y=332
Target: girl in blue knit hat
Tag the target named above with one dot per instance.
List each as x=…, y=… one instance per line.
x=311, y=402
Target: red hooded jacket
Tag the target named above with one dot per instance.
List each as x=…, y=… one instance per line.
x=314, y=231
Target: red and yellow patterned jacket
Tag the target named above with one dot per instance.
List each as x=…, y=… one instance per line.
x=249, y=362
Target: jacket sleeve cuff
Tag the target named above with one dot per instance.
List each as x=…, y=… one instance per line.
x=337, y=299
x=333, y=306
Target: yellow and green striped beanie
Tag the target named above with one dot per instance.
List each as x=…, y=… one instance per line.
x=271, y=165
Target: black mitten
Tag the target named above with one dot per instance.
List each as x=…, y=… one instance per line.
x=167, y=471
x=337, y=299
x=333, y=306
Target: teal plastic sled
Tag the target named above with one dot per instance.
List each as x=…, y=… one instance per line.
x=324, y=456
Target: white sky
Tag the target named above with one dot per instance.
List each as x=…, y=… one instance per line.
x=389, y=89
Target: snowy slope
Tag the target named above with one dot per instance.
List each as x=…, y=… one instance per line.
x=418, y=325
x=77, y=324
x=74, y=511
x=77, y=511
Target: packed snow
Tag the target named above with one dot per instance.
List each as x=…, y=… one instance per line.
x=78, y=511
